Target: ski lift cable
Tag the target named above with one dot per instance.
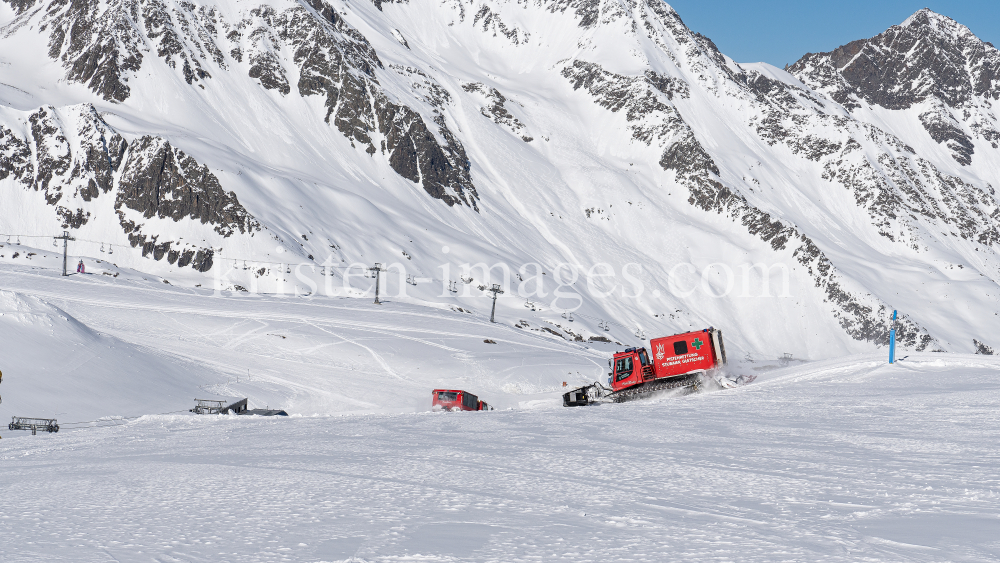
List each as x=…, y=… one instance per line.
x=104, y=420
x=18, y=236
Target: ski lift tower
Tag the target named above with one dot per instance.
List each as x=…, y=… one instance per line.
x=65, y=238
x=377, y=269
x=495, y=289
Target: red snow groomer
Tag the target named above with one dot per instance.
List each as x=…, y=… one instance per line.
x=681, y=360
x=456, y=400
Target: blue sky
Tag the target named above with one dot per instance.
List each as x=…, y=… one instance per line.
x=781, y=31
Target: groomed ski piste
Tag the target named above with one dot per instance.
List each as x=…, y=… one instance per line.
x=846, y=459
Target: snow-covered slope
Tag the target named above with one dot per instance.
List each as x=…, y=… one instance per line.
x=119, y=343
x=224, y=141
x=57, y=366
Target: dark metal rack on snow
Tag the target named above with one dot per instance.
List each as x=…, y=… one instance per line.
x=33, y=424
x=209, y=406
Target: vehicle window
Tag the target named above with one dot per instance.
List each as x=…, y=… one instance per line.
x=469, y=400
x=643, y=358
x=442, y=396
x=680, y=347
x=624, y=369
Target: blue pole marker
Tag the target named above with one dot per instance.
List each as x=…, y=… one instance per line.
x=892, y=340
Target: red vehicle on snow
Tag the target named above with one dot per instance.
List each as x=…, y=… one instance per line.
x=676, y=361
x=456, y=400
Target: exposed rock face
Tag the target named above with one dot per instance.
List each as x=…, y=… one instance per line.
x=415, y=154
x=945, y=129
x=103, y=44
x=490, y=22
x=588, y=11
x=496, y=109
x=15, y=157
x=927, y=56
x=645, y=100
x=161, y=181
x=72, y=158
x=67, y=174
x=929, y=59
x=158, y=180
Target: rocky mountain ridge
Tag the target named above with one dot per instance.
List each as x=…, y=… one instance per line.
x=929, y=61
x=524, y=134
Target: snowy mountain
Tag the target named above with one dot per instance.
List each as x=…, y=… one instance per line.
x=929, y=62
x=221, y=143
x=228, y=168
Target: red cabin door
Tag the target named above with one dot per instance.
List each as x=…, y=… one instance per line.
x=626, y=372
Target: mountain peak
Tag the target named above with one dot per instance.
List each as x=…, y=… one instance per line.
x=932, y=22
x=925, y=16
x=927, y=56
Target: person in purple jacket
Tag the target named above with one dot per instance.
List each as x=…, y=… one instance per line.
x=80, y=269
